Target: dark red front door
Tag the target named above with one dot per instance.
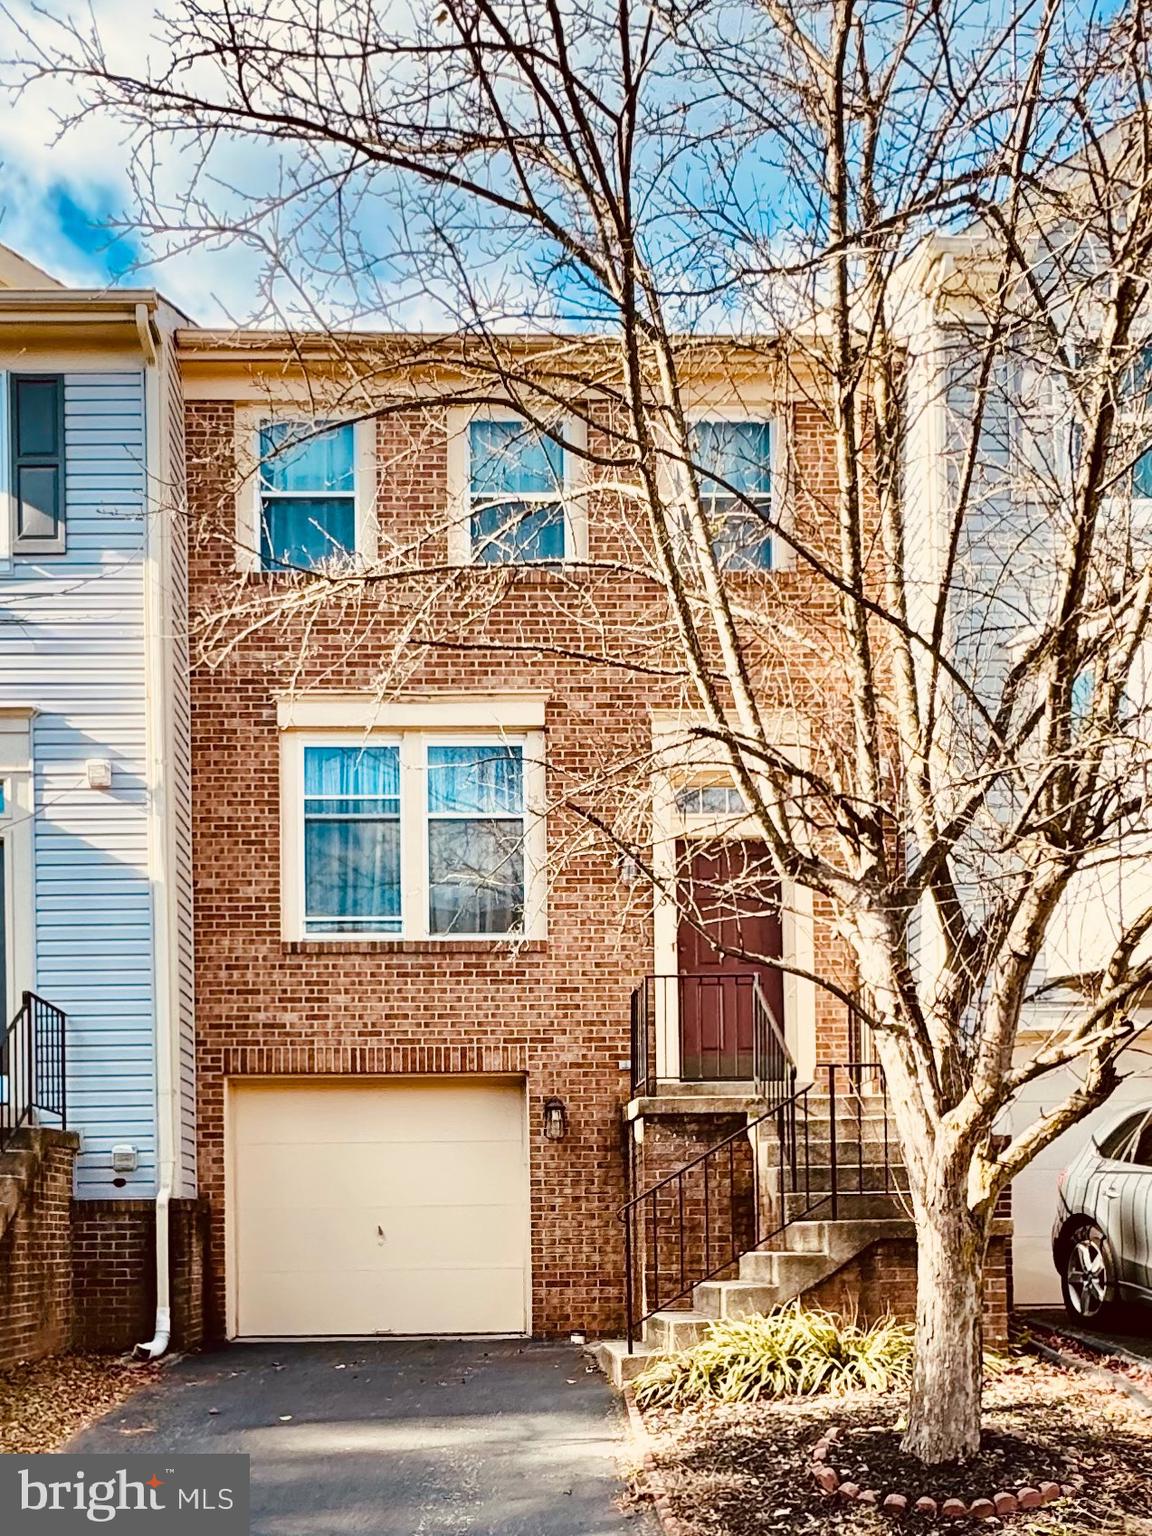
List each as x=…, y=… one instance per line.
x=729, y=901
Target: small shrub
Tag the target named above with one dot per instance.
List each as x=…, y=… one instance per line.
x=791, y=1352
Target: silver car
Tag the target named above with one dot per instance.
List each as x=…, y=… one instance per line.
x=1102, y=1236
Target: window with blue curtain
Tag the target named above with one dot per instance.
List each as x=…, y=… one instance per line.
x=352, y=840
x=735, y=463
x=516, y=487
x=475, y=839
x=307, y=494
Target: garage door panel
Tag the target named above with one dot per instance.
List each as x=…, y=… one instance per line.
x=320, y=1171
x=400, y=1112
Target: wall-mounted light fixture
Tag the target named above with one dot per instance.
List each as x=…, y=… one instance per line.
x=555, y=1119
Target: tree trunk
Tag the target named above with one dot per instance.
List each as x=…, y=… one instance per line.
x=947, y=1377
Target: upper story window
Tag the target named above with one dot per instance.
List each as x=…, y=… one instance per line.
x=35, y=454
x=307, y=491
x=417, y=836
x=307, y=494
x=516, y=493
x=735, y=462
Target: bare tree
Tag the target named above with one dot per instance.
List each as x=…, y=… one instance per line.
x=929, y=226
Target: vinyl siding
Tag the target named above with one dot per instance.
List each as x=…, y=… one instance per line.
x=72, y=644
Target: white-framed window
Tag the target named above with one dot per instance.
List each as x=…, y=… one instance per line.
x=711, y=800
x=515, y=489
x=413, y=834
x=308, y=489
x=734, y=456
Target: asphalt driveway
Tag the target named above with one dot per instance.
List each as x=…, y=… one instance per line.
x=397, y=1438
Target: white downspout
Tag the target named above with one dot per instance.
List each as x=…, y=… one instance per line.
x=159, y=740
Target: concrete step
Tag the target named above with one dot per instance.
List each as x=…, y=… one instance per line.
x=734, y=1298
x=620, y=1365
x=667, y=1332
x=782, y=1270
x=850, y=1207
x=852, y=1178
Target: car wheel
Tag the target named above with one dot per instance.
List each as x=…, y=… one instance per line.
x=1087, y=1277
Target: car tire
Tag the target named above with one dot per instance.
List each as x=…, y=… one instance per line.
x=1088, y=1274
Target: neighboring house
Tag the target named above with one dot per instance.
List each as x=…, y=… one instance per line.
x=1024, y=446
x=95, y=847
x=430, y=1068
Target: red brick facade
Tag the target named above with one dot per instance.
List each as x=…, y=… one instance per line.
x=35, y=1248
x=554, y=1011
x=81, y=1274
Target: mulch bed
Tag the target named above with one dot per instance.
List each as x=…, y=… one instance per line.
x=745, y=1469
x=45, y=1403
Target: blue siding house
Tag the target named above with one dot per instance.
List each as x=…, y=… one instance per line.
x=95, y=916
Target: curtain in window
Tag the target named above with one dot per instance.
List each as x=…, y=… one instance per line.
x=475, y=839
x=739, y=454
x=352, y=839
x=293, y=459
x=513, y=469
x=307, y=494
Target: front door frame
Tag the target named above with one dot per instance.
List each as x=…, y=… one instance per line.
x=670, y=826
x=16, y=830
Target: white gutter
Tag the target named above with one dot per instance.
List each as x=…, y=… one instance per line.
x=159, y=738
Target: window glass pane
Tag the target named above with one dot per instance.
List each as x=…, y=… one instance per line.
x=475, y=781
x=304, y=531
x=505, y=534
x=348, y=773
x=475, y=876
x=352, y=839
x=743, y=542
x=1118, y=1143
x=1142, y=475
x=711, y=800
x=739, y=453
x=352, y=875
x=295, y=458
x=512, y=458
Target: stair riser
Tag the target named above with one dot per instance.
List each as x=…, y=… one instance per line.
x=734, y=1302
x=850, y=1207
x=665, y=1334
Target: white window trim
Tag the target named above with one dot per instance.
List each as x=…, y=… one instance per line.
x=573, y=431
x=413, y=744
x=16, y=828
x=249, y=420
x=771, y=414
x=7, y=501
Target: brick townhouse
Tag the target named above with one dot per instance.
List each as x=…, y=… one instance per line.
x=442, y=1037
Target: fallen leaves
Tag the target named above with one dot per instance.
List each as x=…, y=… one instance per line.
x=45, y=1402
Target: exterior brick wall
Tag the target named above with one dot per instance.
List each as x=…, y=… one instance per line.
x=881, y=1282
x=35, y=1272
x=555, y=1011
x=670, y=1142
x=114, y=1273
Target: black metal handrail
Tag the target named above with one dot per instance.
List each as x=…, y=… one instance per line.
x=724, y=1027
x=695, y=1223
x=33, y=1079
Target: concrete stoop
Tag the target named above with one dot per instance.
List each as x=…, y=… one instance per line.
x=809, y=1253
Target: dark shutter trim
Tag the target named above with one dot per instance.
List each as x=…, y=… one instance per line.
x=36, y=457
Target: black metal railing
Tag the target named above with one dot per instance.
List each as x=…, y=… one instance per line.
x=813, y=1152
x=715, y=1026
x=32, y=1068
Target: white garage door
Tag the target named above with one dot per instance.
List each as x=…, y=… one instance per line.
x=378, y=1207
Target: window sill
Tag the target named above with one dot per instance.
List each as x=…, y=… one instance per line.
x=386, y=946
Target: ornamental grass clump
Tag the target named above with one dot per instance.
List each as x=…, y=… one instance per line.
x=791, y=1352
